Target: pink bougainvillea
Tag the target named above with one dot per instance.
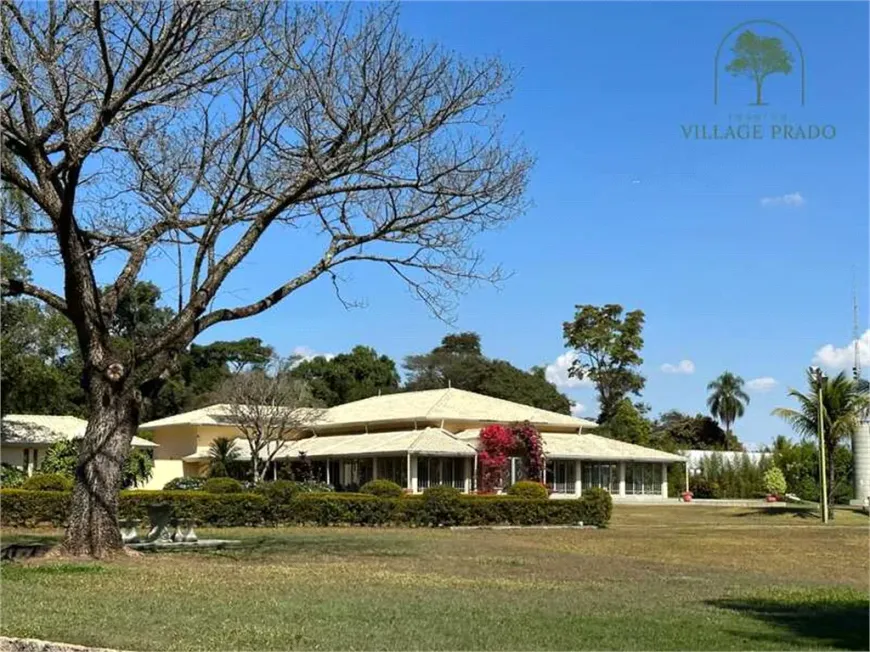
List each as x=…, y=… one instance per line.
x=499, y=443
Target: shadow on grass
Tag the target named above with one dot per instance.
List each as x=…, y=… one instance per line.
x=807, y=512
x=823, y=617
x=312, y=545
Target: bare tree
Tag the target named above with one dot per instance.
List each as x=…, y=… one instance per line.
x=147, y=132
x=269, y=407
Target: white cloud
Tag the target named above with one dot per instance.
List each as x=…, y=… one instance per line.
x=763, y=384
x=793, y=199
x=842, y=358
x=557, y=373
x=577, y=409
x=306, y=353
x=682, y=367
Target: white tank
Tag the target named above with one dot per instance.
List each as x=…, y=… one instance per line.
x=861, y=460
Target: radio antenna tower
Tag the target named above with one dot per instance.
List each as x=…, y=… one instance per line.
x=856, y=367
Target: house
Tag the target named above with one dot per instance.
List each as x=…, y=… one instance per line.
x=24, y=438
x=421, y=439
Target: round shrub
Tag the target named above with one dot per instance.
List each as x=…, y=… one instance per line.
x=597, y=506
x=48, y=482
x=382, y=489
x=222, y=486
x=441, y=505
x=279, y=491
x=184, y=484
x=774, y=481
x=528, y=489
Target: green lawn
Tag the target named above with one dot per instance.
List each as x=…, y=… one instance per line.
x=675, y=577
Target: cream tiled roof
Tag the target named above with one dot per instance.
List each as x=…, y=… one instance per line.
x=427, y=406
x=596, y=447
x=448, y=404
x=587, y=447
x=427, y=441
x=213, y=415
x=47, y=429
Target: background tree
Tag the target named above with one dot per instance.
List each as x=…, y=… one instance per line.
x=627, y=424
x=844, y=402
x=608, y=348
x=62, y=457
x=727, y=400
x=269, y=407
x=758, y=57
x=194, y=129
x=348, y=376
x=458, y=362
x=699, y=432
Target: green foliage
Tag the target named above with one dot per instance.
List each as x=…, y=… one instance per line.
x=596, y=505
x=724, y=478
x=608, y=348
x=184, y=484
x=222, y=486
x=48, y=482
x=382, y=488
x=440, y=505
x=627, y=424
x=799, y=463
x=348, y=376
x=61, y=457
x=843, y=402
x=774, y=481
x=528, y=489
x=25, y=508
x=727, y=400
x=458, y=362
x=223, y=458
x=29, y=508
x=11, y=476
x=675, y=431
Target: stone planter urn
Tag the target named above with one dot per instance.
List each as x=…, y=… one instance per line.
x=687, y=496
x=771, y=498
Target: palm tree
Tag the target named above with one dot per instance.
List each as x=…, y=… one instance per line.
x=844, y=403
x=222, y=456
x=727, y=400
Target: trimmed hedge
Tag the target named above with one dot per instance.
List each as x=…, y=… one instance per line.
x=434, y=508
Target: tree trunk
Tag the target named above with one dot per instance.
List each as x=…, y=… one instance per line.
x=758, y=86
x=93, y=519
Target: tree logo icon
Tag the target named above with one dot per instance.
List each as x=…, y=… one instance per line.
x=757, y=56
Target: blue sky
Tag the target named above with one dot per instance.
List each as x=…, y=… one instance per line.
x=741, y=253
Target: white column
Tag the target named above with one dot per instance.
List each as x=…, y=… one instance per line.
x=687, y=474
x=412, y=472
x=327, y=471
x=474, y=474
x=374, y=468
x=664, y=480
x=411, y=482
x=622, y=478
x=513, y=470
x=577, y=486
x=467, y=488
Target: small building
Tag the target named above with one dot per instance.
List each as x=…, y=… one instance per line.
x=421, y=439
x=24, y=438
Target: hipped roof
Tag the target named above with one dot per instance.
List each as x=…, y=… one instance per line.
x=48, y=429
x=428, y=406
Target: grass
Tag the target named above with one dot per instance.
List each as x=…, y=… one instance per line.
x=662, y=577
